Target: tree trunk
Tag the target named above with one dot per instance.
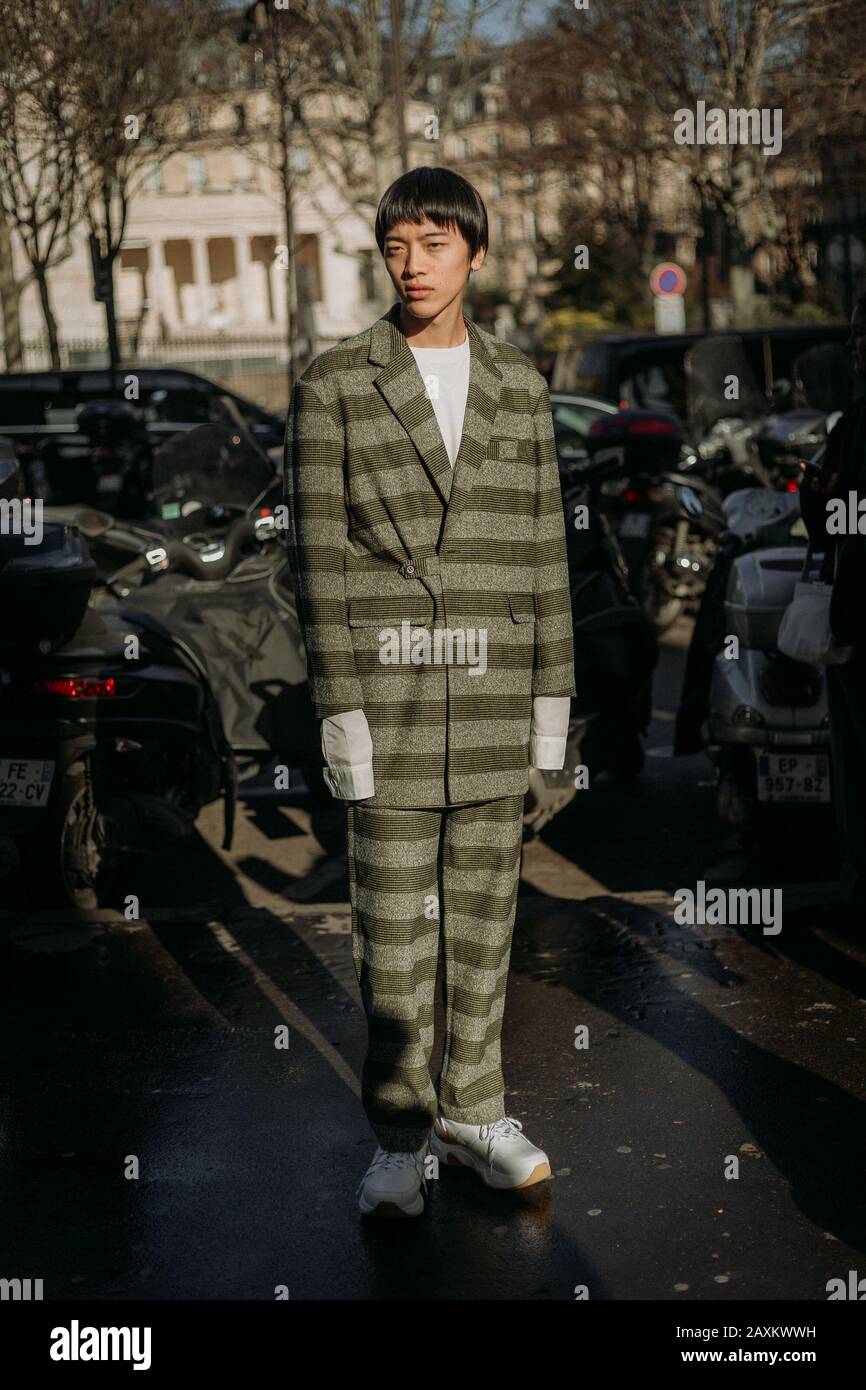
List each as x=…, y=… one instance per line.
x=41, y=278
x=289, y=222
x=10, y=303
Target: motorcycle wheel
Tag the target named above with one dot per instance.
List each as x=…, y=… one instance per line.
x=82, y=867
x=653, y=590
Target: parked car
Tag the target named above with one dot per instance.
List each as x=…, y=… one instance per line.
x=647, y=371
x=43, y=405
x=572, y=418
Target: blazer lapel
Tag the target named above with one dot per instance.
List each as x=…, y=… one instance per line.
x=401, y=386
x=400, y=383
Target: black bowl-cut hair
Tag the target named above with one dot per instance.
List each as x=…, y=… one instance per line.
x=441, y=195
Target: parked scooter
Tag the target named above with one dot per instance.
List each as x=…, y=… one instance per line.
x=823, y=387
x=766, y=717
x=126, y=697
x=667, y=516
x=726, y=411
x=615, y=651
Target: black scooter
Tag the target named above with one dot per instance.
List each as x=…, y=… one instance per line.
x=113, y=723
x=615, y=653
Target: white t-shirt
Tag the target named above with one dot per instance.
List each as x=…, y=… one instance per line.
x=445, y=372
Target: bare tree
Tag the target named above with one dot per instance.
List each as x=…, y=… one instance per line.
x=39, y=196
x=128, y=70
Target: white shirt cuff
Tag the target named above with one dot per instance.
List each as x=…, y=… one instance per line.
x=347, y=748
x=350, y=783
x=548, y=734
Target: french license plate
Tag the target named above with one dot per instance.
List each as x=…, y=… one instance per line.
x=635, y=525
x=25, y=781
x=793, y=777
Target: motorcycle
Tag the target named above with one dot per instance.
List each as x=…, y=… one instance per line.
x=823, y=387
x=726, y=412
x=139, y=664
x=766, y=716
x=615, y=651
x=667, y=515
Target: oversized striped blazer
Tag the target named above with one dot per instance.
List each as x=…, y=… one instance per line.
x=435, y=599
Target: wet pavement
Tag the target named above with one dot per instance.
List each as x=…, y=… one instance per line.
x=157, y=1144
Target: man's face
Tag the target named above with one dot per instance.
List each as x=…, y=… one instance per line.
x=857, y=340
x=428, y=265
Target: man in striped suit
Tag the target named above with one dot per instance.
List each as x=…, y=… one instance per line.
x=427, y=542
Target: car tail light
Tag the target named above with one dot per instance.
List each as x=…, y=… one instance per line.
x=790, y=685
x=650, y=427
x=76, y=687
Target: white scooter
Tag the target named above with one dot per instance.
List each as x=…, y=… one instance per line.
x=768, y=721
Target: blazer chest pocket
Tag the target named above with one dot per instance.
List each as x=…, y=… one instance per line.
x=510, y=450
x=522, y=608
x=370, y=612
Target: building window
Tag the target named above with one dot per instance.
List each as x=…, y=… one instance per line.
x=530, y=181
x=197, y=173
x=463, y=109
x=153, y=178
x=461, y=148
x=307, y=259
x=193, y=117
x=240, y=119
x=299, y=159
x=529, y=225
x=496, y=186
x=434, y=83
x=496, y=143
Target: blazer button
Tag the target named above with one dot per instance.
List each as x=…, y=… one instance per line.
x=410, y=569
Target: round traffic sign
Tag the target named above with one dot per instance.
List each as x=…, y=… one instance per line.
x=667, y=278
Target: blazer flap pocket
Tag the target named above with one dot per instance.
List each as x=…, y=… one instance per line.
x=389, y=612
x=522, y=607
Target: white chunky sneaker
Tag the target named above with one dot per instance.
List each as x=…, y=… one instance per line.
x=392, y=1184
x=499, y=1152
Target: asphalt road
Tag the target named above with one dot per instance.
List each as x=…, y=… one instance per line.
x=156, y=1143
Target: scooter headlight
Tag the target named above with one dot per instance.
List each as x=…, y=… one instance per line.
x=746, y=715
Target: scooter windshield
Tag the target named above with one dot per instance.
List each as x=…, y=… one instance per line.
x=824, y=377
x=720, y=383
x=214, y=465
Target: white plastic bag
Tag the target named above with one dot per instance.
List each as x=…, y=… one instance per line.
x=804, y=632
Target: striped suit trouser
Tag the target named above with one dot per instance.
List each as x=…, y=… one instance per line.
x=403, y=891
